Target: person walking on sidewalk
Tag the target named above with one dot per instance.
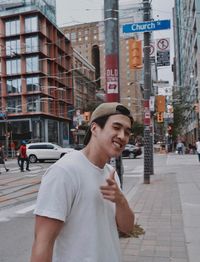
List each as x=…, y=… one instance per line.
x=2, y=159
x=23, y=156
x=80, y=206
x=198, y=148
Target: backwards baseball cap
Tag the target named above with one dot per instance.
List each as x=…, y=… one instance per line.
x=106, y=109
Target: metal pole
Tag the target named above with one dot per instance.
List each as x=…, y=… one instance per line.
x=147, y=89
x=111, y=22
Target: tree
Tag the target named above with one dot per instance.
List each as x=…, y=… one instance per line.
x=179, y=119
x=137, y=131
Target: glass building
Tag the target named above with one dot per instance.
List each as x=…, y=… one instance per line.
x=47, y=7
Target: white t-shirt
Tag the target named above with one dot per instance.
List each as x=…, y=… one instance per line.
x=70, y=192
x=198, y=147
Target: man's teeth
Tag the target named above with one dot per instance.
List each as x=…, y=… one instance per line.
x=117, y=145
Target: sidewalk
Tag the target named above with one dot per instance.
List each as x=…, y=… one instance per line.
x=169, y=211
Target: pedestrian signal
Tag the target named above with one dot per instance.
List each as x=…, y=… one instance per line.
x=159, y=117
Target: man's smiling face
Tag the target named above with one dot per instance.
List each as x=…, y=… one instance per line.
x=114, y=136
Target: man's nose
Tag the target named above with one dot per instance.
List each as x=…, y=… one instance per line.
x=121, y=134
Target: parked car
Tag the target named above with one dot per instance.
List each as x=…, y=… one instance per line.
x=45, y=151
x=131, y=151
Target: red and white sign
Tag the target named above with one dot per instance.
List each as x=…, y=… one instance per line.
x=163, y=44
x=112, y=78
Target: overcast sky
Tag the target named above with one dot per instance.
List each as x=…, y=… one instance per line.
x=80, y=11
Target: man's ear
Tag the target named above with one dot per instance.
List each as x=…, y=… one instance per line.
x=94, y=128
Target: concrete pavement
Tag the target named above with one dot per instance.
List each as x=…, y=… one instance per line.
x=169, y=211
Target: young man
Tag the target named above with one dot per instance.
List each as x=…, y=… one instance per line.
x=80, y=205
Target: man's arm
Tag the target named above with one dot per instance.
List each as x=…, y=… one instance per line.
x=124, y=215
x=46, y=232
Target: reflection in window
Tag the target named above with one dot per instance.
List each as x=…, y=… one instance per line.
x=34, y=104
x=14, y=85
x=12, y=47
x=13, y=66
x=53, y=131
x=32, y=84
x=31, y=24
x=14, y=104
x=61, y=110
x=12, y=27
x=32, y=44
x=32, y=64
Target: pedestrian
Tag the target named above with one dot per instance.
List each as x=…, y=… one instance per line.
x=180, y=147
x=80, y=206
x=23, y=156
x=2, y=158
x=198, y=148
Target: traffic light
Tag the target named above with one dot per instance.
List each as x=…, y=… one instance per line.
x=160, y=104
x=160, y=117
x=135, y=53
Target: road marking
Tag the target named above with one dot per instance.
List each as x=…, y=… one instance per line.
x=8, y=214
x=132, y=175
x=26, y=209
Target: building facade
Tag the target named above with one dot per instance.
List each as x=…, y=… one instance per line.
x=47, y=7
x=187, y=61
x=36, y=69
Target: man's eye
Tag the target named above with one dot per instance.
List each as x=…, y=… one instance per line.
x=127, y=133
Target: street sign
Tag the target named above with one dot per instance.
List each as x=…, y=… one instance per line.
x=146, y=26
x=163, y=58
x=163, y=51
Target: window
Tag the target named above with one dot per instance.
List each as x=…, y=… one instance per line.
x=32, y=64
x=32, y=84
x=31, y=24
x=31, y=44
x=12, y=27
x=14, y=85
x=68, y=36
x=12, y=47
x=43, y=146
x=73, y=36
x=49, y=146
x=34, y=104
x=14, y=104
x=13, y=66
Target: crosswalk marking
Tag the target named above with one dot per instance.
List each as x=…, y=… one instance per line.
x=12, y=212
x=26, y=209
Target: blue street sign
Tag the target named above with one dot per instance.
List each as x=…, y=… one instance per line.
x=146, y=26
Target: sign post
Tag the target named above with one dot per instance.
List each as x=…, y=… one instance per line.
x=112, y=60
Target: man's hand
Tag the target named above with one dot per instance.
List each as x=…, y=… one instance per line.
x=111, y=191
x=124, y=215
